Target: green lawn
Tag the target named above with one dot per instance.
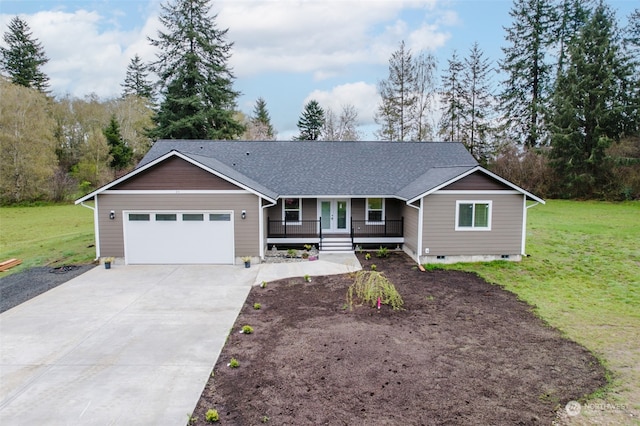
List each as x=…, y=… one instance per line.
x=49, y=235
x=583, y=277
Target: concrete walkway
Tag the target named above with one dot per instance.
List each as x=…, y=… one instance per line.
x=132, y=345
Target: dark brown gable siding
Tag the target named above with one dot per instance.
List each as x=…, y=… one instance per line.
x=476, y=181
x=175, y=173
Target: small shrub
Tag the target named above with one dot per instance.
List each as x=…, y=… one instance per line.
x=371, y=285
x=292, y=252
x=382, y=252
x=257, y=306
x=373, y=267
x=212, y=415
x=247, y=329
x=233, y=363
x=308, y=247
x=367, y=256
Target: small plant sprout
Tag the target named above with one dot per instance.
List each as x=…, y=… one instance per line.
x=265, y=419
x=373, y=267
x=367, y=256
x=257, y=306
x=382, y=252
x=212, y=415
x=307, y=278
x=246, y=329
x=233, y=363
x=191, y=418
x=263, y=284
x=308, y=247
x=292, y=252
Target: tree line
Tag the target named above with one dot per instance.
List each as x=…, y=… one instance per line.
x=563, y=122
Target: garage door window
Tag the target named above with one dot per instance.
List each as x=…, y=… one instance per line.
x=193, y=217
x=166, y=217
x=140, y=217
x=220, y=217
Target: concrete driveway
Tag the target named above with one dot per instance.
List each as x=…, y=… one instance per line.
x=131, y=345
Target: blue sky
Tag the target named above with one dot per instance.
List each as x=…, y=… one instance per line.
x=286, y=51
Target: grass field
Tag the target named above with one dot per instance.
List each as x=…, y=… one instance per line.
x=48, y=235
x=583, y=277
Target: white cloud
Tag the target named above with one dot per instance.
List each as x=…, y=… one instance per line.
x=85, y=56
x=322, y=37
x=363, y=96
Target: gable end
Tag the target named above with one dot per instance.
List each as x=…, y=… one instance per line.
x=175, y=173
x=477, y=181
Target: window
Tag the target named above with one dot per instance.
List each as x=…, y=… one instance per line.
x=193, y=217
x=166, y=217
x=375, y=209
x=292, y=209
x=220, y=217
x=134, y=217
x=473, y=216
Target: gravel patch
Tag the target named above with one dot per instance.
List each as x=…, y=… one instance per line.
x=22, y=286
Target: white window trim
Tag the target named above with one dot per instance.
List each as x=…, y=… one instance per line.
x=473, y=228
x=366, y=212
x=299, y=222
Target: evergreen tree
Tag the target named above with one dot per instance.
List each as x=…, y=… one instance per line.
x=197, y=84
x=121, y=154
x=311, y=122
x=23, y=57
x=451, y=95
x=136, y=80
x=476, y=105
x=590, y=108
x=261, y=121
x=571, y=17
x=525, y=98
x=398, y=104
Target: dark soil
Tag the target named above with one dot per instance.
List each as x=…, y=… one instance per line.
x=462, y=352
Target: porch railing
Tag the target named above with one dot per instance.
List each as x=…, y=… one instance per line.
x=294, y=229
x=383, y=228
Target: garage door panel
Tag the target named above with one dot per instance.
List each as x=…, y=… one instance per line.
x=179, y=238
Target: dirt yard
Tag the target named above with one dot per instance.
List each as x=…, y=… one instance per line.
x=461, y=352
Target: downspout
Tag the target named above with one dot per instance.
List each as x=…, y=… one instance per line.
x=524, y=222
x=95, y=224
x=419, y=242
x=261, y=223
x=420, y=224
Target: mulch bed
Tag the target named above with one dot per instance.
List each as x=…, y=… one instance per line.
x=461, y=352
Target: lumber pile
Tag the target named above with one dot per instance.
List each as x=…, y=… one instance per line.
x=8, y=264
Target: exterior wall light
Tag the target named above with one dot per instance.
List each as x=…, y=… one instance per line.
x=243, y=215
x=112, y=215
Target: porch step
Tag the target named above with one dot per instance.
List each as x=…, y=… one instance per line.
x=336, y=245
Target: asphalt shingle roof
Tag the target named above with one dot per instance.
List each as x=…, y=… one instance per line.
x=310, y=168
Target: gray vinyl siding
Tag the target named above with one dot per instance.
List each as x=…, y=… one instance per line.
x=246, y=231
x=410, y=227
x=440, y=236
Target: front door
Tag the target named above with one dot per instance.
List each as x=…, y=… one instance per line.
x=333, y=215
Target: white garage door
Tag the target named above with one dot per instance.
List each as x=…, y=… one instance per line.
x=178, y=237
